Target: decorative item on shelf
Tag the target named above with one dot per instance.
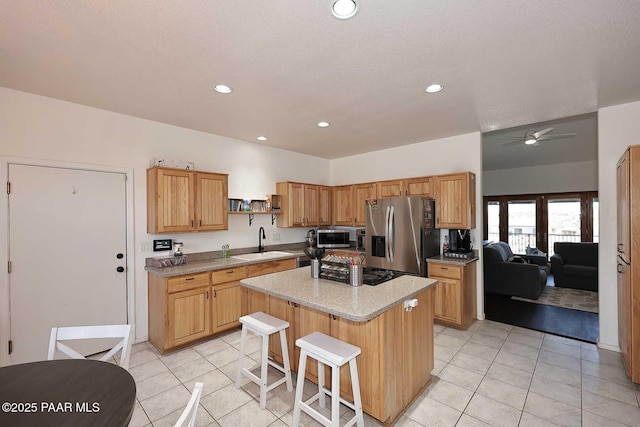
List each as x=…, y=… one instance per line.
x=255, y=206
x=164, y=162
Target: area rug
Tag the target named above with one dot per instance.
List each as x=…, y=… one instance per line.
x=574, y=299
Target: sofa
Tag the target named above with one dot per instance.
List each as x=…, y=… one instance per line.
x=575, y=265
x=513, y=275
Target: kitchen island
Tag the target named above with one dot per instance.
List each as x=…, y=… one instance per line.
x=396, y=342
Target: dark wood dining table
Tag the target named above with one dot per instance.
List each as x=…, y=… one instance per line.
x=66, y=393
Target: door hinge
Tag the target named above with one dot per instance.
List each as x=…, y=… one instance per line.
x=8, y=187
x=9, y=266
x=10, y=346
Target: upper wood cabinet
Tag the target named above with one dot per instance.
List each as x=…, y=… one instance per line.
x=303, y=204
x=325, y=201
x=410, y=187
x=456, y=200
x=179, y=200
x=349, y=203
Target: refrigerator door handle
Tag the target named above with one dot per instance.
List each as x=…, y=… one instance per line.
x=392, y=220
x=386, y=234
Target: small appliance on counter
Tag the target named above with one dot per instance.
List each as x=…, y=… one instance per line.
x=310, y=239
x=459, y=244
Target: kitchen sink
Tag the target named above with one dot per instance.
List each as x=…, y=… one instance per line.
x=261, y=255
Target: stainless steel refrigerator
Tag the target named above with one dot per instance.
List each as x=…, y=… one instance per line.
x=401, y=234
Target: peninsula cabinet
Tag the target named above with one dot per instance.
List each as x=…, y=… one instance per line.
x=455, y=196
x=349, y=203
x=180, y=200
x=226, y=298
x=455, y=294
x=304, y=205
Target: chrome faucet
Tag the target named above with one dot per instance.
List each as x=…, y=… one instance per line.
x=261, y=236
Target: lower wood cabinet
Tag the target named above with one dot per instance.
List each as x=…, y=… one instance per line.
x=455, y=294
x=188, y=308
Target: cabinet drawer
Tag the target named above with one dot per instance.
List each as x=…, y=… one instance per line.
x=228, y=275
x=445, y=270
x=184, y=283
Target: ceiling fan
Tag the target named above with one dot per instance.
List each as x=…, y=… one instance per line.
x=533, y=137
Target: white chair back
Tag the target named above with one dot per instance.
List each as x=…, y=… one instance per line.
x=125, y=332
x=189, y=414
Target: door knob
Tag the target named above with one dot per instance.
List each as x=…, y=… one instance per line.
x=120, y=269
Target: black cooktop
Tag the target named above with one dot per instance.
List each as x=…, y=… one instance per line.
x=375, y=276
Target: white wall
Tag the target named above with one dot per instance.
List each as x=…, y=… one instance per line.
x=462, y=153
x=35, y=127
x=558, y=178
x=618, y=127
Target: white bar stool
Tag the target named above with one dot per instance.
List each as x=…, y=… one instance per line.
x=264, y=325
x=334, y=353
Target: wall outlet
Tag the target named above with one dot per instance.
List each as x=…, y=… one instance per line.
x=275, y=237
x=145, y=246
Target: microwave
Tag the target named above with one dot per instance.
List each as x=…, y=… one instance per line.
x=333, y=238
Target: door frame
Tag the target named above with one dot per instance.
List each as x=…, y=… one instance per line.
x=5, y=315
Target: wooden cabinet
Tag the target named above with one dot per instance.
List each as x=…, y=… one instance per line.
x=455, y=201
x=185, y=309
x=410, y=187
x=303, y=205
x=325, y=202
x=179, y=201
x=349, y=203
x=227, y=296
x=628, y=179
x=455, y=294
x=179, y=310
x=342, y=205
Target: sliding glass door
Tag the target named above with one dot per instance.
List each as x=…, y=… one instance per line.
x=522, y=225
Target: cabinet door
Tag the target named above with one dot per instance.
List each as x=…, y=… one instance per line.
x=311, y=320
x=447, y=300
x=170, y=200
x=622, y=193
x=254, y=301
x=282, y=309
x=211, y=202
x=361, y=193
x=295, y=205
x=226, y=306
x=419, y=187
x=311, y=205
x=418, y=345
x=342, y=205
x=325, y=203
x=189, y=316
x=455, y=201
x=387, y=189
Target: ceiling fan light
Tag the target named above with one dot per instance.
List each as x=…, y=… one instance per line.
x=530, y=141
x=344, y=9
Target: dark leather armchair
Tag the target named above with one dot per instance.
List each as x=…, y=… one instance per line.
x=507, y=274
x=575, y=265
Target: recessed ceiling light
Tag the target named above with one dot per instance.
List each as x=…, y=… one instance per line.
x=262, y=138
x=323, y=124
x=434, y=88
x=223, y=89
x=344, y=9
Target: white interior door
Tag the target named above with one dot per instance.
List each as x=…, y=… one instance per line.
x=67, y=228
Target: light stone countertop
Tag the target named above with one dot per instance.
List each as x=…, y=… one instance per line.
x=202, y=266
x=358, y=304
x=441, y=259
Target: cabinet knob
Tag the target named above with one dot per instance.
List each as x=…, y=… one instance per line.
x=120, y=269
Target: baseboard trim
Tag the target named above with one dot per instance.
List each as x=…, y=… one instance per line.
x=608, y=347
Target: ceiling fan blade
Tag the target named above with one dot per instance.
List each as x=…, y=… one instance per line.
x=556, y=136
x=512, y=143
x=539, y=133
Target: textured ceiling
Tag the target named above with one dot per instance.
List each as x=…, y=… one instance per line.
x=503, y=63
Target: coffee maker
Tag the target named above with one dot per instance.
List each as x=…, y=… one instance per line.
x=459, y=241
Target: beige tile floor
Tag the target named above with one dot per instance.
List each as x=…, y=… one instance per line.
x=492, y=374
